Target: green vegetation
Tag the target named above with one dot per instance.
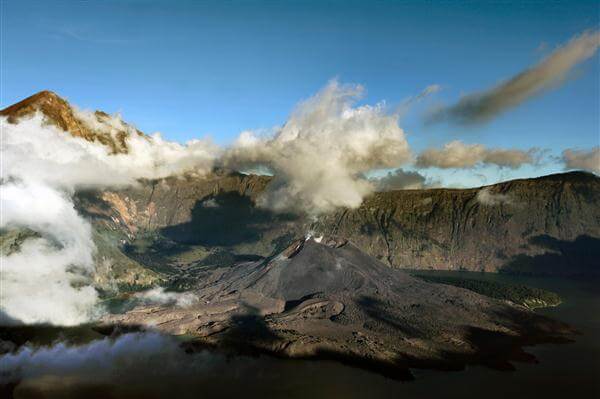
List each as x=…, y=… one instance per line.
x=524, y=295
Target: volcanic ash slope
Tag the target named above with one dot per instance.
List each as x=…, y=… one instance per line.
x=326, y=298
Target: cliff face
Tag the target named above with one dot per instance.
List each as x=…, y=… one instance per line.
x=545, y=225
x=215, y=213
x=59, y=112
x=506, y=226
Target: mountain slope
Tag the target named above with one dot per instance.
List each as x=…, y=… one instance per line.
x=485, y=229
x=546, y=225
x=325, y=298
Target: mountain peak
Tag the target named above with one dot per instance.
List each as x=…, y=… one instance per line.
x=58, y=112
x=40, y=96
x=45, y=94
x=45, y=101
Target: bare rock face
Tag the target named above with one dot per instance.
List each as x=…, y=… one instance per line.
x=547, y=225
x=314, y=300
x=60, y=113
x=510, y=226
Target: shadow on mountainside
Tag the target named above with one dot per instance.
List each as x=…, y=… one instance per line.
x=498, y=350
x=250, y=334
x=379, y=313
x=577, y=257
x=224, y=219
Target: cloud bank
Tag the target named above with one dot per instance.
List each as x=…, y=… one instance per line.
x=99, y=361
x=319, y=156
x=483, y=106
x=582, y=159
x=457, y=154
x=49, y=279
x=36, y=151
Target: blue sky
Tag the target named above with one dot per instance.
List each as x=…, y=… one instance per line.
x=191, y=69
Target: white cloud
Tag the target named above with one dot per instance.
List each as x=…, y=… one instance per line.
x=35, y=151
x=159, y=296
x=400, y=179
x=486, y=197
x=140, y=365
x=581, y=159
x=484, y=106
x=319, y=155
x=49, y=279
x=99, y=361
x=457, y=154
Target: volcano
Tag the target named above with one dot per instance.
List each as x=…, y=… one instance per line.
x=325, y=298
x=259, y=283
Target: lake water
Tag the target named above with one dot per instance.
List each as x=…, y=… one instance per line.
x=570, y=370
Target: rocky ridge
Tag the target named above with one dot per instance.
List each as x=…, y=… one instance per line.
x=550, y=225
x=546, y=225
x=59, y=112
